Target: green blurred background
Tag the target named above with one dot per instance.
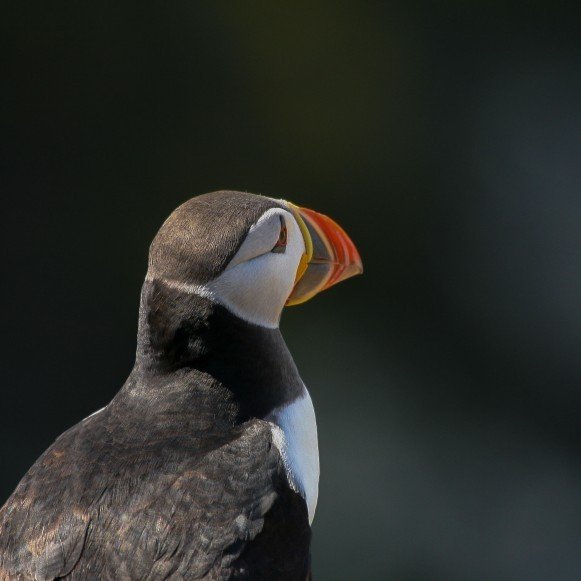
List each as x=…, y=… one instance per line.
x=444, y=137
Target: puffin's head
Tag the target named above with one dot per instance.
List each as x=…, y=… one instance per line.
x=251, y=254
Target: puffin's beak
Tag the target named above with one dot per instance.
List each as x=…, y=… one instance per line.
x=330, y=255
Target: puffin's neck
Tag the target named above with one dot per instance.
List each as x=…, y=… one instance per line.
x=192, y=351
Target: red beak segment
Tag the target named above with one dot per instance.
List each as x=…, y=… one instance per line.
x=331, y=256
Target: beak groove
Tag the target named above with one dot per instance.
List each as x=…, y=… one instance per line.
x=330, y=257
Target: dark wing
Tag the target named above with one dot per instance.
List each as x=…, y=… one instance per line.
x=101, y=505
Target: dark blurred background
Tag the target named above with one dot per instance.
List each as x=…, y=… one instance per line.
x=445, y=137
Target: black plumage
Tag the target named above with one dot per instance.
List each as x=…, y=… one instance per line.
x=178, y=476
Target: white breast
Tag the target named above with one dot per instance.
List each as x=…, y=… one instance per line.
x=294, y=432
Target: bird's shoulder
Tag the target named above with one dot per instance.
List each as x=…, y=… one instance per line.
x=110, y=499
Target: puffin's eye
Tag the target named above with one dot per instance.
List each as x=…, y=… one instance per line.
x=280, y=245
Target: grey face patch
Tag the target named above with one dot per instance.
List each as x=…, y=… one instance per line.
x=199, y=238
x=257, y=281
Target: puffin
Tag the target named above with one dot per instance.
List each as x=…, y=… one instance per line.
x=205, y=465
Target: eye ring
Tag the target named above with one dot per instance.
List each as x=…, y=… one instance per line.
x=280, y=245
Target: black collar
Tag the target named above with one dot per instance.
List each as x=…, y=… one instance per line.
x=197, y=357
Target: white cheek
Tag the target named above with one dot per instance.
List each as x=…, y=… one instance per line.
x=256, y=290
x=253, y=290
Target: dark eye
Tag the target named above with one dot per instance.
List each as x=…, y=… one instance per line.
x=280, y=245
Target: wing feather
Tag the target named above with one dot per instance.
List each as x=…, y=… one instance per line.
x=103, y=502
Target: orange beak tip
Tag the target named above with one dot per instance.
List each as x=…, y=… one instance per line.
x=332, y=255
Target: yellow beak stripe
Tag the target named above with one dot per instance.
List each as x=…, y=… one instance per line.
x=308, y=254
